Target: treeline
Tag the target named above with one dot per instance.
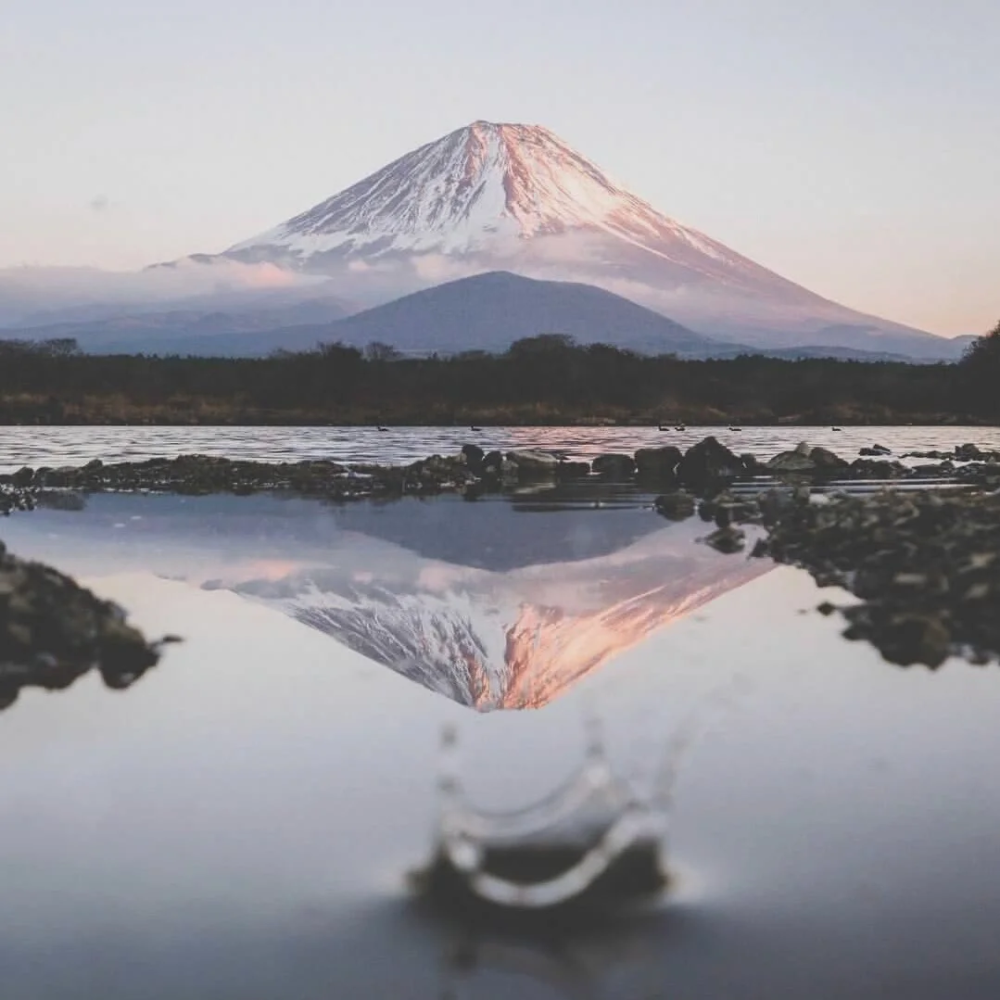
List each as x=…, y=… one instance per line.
x=539, y=380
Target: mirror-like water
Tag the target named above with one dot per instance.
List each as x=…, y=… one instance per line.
x=239, y=823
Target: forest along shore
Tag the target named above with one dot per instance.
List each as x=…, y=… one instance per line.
x=543, y=380
x=924, y=564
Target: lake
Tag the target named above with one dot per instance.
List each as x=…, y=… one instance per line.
x=55, y=446
x=241, y=822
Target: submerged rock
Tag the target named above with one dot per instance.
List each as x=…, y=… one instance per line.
x=726, y=509
x=727, y=539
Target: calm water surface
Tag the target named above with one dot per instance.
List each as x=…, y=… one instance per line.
x=54, y=446
x=240, y=822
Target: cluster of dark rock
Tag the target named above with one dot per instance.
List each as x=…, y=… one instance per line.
x=925, y=566
x=196, y=474
x=698, y=468
x=14, y=498
x=53, y=631
x=960, y=453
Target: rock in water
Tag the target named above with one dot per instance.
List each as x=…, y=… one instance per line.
x=707, y=462
x=827, y=461
x=573, y=470
x=677, y=506
x=807, y=459
x=474, y=456
x=531, y=464
x=614, y=466
x=970, y=453
x=492, y=464
x=798, y=460
x=658, y=463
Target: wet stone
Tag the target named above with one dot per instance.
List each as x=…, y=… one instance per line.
x=573, y=470
x=614, y=466
x=707, y=462
x=658, y=463
x=676, y=506
x=530, y=464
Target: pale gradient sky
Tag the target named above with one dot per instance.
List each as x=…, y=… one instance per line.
x=852, y=146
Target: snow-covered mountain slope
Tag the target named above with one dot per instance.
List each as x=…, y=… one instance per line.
x=518, y=198
x=478, y=187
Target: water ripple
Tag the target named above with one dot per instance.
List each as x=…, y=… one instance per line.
x=56, y=446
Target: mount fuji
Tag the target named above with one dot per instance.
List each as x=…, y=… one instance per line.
x=517, y=198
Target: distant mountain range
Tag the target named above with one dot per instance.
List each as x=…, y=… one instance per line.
x=491, y=233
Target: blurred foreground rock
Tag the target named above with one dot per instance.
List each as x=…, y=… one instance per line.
x=53, y=631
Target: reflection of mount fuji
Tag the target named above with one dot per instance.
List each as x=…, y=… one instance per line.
x=500, y=603
x=514, y=639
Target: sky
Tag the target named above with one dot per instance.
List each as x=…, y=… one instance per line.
x=852, y=147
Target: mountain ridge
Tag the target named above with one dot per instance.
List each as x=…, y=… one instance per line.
x=490, y=311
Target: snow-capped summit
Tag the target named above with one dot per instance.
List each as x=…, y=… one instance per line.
x=471, y=190
x=517, y=198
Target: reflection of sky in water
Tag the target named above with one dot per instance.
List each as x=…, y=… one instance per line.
x=236, y=824
x=421, y=587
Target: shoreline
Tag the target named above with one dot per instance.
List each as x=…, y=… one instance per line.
x=703, y=467
x=923, y=563
x=466, y=419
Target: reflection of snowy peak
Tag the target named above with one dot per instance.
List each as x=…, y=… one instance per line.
x=505, y=640
x=446, y=642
